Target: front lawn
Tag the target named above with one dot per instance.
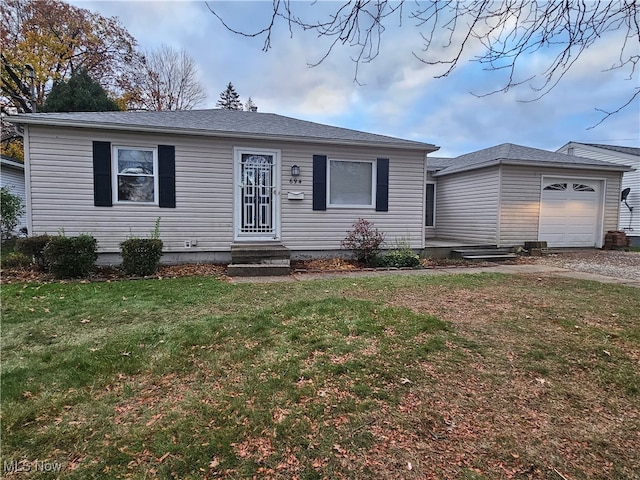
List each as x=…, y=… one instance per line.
x=464, y=377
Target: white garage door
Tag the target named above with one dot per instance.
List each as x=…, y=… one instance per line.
x=570, y=211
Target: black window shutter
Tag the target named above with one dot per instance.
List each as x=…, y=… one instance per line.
x=382, y=185
x=167, y=176
x=319, y=182
x=102, y=196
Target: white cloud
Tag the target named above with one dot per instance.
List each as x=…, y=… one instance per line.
x=398, y=95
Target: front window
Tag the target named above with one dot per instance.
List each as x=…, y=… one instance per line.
x=351, y=183
x=136, y=175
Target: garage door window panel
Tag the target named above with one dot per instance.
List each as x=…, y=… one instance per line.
x=556, y=187
x=580, y=187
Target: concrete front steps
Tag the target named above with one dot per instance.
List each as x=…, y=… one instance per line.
x=259, y=259
x=491, y=254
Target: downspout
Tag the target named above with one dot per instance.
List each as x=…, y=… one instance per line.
x=423, y=242
x=27, y=177
x=499, y=209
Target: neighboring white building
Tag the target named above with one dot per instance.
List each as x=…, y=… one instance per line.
x=629, y=220
x=12, y=176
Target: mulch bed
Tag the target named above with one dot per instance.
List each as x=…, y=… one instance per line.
x=108, y=273
x=334, y=265
x=329, y=265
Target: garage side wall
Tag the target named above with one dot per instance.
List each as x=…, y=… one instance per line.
x=467, y=206
x=521, y=195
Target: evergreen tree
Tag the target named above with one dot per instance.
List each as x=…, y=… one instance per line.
x=80, y=93
x=229, y=99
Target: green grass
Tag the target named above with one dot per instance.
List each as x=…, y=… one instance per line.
x=199, y=378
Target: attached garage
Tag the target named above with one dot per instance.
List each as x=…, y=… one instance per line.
x=571, y=212
x=509, y=194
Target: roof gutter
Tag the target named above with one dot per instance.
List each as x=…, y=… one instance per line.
x=532, y=163
x=12, y=163
x=427, y=147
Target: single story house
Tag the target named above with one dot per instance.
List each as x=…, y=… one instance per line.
x=218, y=178
x=509, y=194
x=12, y=177
x=629, y=221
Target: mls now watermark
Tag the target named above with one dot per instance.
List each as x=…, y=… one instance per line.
x=31, y=466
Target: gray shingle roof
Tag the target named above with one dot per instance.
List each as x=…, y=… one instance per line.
x=218, y=122
x=511, y=154
x=615, y=148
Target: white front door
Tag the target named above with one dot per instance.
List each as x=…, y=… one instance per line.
x=257, y=194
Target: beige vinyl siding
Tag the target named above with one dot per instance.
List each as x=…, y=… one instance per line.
x=62, y=192
x=467, y=206
x=629, y=180
x=520, y=200
x=303, y=227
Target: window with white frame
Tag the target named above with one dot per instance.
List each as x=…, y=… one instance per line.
x=136, y=175
x=351, y=183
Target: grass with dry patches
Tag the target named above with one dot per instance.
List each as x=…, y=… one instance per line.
x=463, y=376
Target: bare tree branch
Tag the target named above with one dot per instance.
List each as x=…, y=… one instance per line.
x=167, y=80
x=502, y=35
x=617, y=110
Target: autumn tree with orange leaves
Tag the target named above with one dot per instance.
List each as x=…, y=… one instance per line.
x=43, y=42
x=56, y=39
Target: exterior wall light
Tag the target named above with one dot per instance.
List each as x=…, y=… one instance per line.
x=295, y=173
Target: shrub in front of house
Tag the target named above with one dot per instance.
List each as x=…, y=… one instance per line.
x=15, y=260
x=33, y=247
x=71, y=257
x=141, y=256
x=364, y=240
x=11, y=208
x=398, y=258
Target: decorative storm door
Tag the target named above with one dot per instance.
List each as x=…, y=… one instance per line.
x=257, y=205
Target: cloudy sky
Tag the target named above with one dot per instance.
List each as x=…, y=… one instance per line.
x=395, y=94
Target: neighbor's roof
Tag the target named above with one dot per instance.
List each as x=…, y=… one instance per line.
x=11, y=162
x=221, y=123
x=510, y=154
x=614, y=148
